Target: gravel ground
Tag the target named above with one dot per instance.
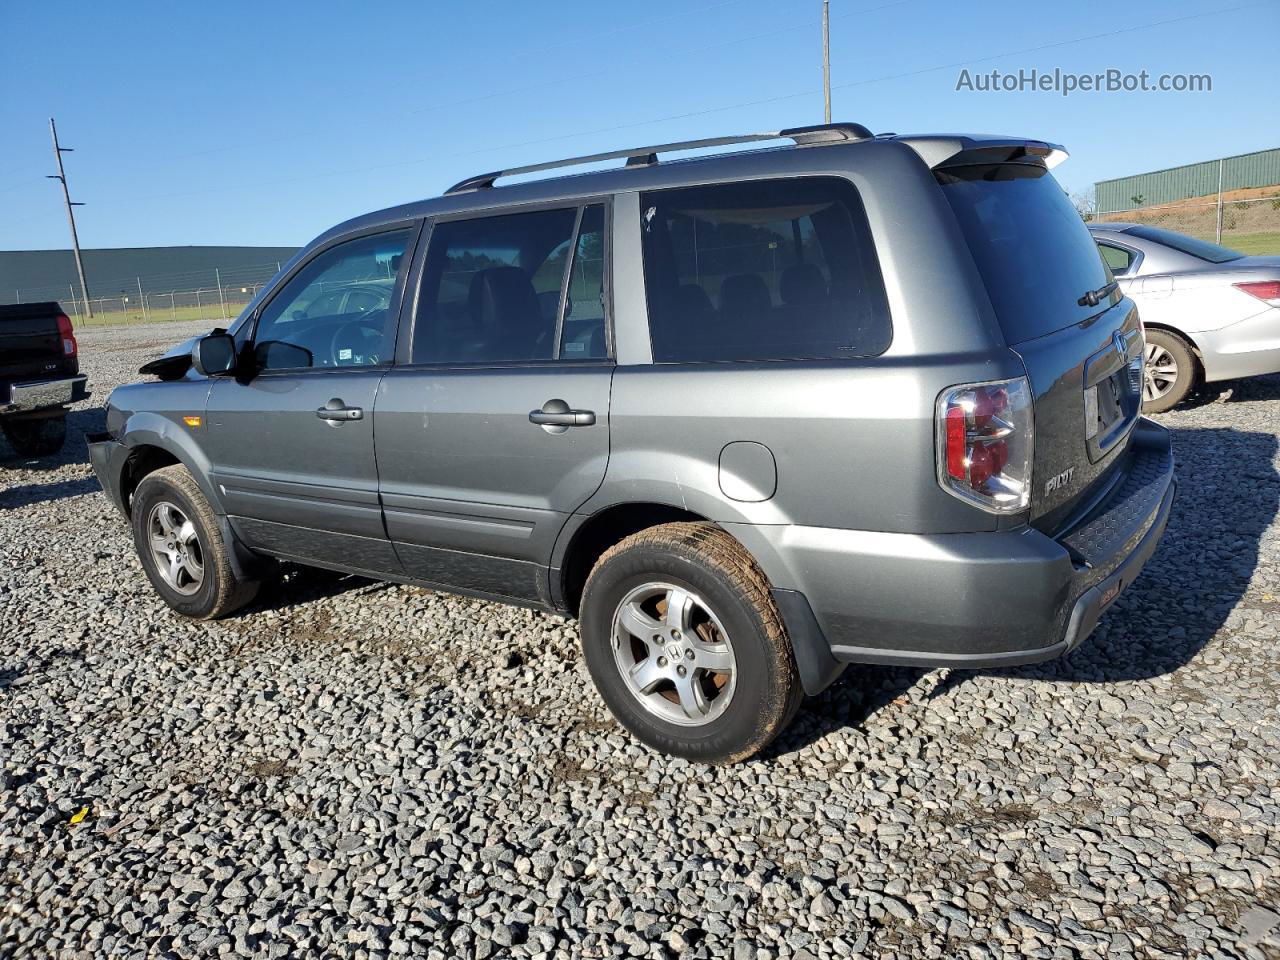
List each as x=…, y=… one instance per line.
x=353, y=769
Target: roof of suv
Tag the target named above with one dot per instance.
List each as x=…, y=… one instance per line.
x=644, y=171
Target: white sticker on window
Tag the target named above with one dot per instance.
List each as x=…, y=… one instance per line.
x=344, y=354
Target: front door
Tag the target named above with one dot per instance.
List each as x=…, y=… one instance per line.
x=497, y=427
x=290, y=440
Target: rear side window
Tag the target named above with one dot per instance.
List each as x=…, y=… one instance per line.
x=763, y=270
x=1118, y=259
x=1035, y=254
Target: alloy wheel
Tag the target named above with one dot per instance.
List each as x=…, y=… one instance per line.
x=175, y=548
x=1160, y=372
x=673, y=654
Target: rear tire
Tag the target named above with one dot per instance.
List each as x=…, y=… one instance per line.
x=684, y=643
x=1168, y=371
x=40, y=437
x=181, y=548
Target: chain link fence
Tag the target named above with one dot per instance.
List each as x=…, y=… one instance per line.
x=215, y=296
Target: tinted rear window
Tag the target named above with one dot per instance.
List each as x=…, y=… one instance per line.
x=1203, y=249
x=1035, y=254
x=763, y=270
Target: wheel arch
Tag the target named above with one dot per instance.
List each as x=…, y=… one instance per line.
x=155, y=441
x=583, y=545
x=1184, y=337
x=583, y=542
x=149, y=452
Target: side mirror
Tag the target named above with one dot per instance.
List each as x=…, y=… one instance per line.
x=214, y=354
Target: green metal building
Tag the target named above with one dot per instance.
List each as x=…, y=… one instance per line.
x=1261, y=169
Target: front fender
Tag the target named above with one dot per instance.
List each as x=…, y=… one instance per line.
x=179, y=441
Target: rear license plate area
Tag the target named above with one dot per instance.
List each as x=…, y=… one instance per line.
x=1111, y=407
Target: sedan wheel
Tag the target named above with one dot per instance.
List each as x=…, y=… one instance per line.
x=1168, y=371
x=1160, y=373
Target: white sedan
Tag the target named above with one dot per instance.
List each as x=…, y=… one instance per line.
x=1210, y=313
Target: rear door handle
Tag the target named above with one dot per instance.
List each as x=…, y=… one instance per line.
x=556, y=413
x=335, y=411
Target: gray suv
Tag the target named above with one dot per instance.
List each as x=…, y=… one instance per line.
x=749, y=417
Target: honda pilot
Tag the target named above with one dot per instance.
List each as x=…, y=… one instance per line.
x=749, y=417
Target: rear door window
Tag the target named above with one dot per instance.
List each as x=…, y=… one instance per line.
x=513, y=288
x=762, y=270
x=1035, y=254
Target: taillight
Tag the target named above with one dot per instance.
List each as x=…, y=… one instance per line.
x=985, y=443
x=69, y=346
x=1268, y=290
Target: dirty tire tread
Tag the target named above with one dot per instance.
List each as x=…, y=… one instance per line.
x=707, y=544
x=230, y=592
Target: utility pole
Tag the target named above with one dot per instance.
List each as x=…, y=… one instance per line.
x=1218, y=231
x=61, y=177
x=826, y=61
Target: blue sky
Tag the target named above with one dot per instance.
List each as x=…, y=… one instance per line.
x=265, y=123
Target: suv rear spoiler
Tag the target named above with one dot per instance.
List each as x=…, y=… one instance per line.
x=950, y=151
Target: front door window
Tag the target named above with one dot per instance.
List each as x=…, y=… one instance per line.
x=336, y=311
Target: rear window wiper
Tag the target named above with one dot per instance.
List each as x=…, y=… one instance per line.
x=1095, y=297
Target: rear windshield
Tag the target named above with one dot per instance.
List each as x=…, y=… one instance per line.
x=1202, y=249
x=1035, y=254
x=762, y=270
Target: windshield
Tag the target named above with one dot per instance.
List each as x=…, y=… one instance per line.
x=1201, y=249
x=1035, y=254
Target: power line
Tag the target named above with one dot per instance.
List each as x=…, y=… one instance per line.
x=855, y=83
x=524, y=54
x=718, y=109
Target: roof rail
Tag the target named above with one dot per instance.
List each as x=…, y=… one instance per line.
x=644, y=156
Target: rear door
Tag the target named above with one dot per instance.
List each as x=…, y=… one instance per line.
x=494, y=426
x=1056, y=302
x=291, y=441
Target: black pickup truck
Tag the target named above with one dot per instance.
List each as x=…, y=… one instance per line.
x=39, y=376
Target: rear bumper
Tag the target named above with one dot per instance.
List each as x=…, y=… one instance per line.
x=982, y=599
x=31, y=396
x=1249, y=348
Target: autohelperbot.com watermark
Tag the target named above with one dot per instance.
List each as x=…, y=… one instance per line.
x=1065, y=83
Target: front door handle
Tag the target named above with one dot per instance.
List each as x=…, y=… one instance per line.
x=335, y=411
x=557, y=417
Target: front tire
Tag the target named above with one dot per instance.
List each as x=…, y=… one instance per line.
x=684, y=642
x=37, y=437
x=181, y=548
x=1168, y=372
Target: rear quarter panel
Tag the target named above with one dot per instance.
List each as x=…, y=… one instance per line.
x=853, y=440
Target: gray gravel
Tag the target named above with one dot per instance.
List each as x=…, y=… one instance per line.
x=359, y=770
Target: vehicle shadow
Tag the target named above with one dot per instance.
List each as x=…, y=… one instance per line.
x=11, y=498
x=1234, y=391
x=1228, y=497
x=286, y=586
x=74, y=451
